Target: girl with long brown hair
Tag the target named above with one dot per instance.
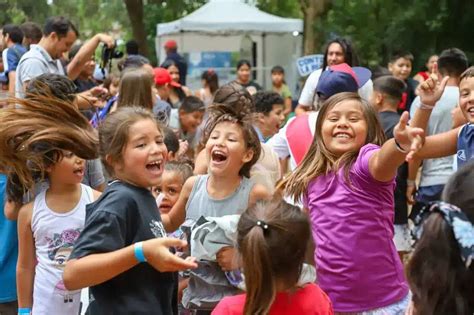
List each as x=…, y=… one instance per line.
x=272, y=239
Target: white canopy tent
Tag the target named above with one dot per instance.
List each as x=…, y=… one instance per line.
x=236, y=27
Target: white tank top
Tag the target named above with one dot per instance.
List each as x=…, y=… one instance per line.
x=55, y=235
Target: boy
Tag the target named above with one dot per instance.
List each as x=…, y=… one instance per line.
x=279, y=86
x=270, y=108
x=400, y=66
x=387, y=94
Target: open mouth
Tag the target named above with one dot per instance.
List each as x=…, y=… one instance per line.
x=218, y=156
x=154, y=166
x=79, y=171
x=342, y=135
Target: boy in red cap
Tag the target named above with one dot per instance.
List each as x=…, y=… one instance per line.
x=171, y=49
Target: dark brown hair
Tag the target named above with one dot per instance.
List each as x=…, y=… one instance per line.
x=135, y=88
x=114, y=133
x=271, y=255
x=438, y=278
x=319, y=160
x=469, y=73
x=34, y=134
x=234, y=104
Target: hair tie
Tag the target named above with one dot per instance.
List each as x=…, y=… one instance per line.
x=459, y=223
x=262, y=224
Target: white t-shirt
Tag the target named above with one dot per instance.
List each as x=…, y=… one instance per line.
x=308, y=94
x=437, y=171
x=279, y=142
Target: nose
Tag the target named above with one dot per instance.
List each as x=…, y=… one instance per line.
x=342, y=122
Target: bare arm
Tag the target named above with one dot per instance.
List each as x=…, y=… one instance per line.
x=84, y=54
x=177, y=214
x=11, y=82
x=440, y=145
x=258, y=193
x=11, y=210
x=25, y=269
x=287, y=110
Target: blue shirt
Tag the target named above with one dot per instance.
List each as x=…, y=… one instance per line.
x=8, y=251
x=465, y=145
x=14, y=54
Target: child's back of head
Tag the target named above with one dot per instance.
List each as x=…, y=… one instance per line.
x=441, y=271
x=452, y=62
x=172, y=143
x=392, y=89
x=272, y=240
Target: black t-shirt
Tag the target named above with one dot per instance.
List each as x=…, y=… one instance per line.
x=123, y=215
x=251, y=84
x=389, y=120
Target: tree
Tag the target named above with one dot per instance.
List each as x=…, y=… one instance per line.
x=135, y=13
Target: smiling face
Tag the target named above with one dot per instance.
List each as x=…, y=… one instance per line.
x=69, y=170
x=335, y=54
x=400, y=68
x=344, y=128
x=243, y=74
x=226, y=151
x=143, y=156
x=171, y=185
x=174, y=73
x=271, y=122
x=190, y=121
x=466, y=98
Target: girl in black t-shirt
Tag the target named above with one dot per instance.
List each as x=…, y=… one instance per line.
x=123, y=228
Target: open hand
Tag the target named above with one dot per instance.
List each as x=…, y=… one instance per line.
x=410, y=139
x=430, y=91
x=159, y=256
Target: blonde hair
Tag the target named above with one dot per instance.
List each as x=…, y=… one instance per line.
x=319, y=160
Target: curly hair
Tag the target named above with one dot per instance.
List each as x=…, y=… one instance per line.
x=265, y=100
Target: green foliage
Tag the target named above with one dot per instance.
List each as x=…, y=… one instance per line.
x=283, y=8
x=20, y=11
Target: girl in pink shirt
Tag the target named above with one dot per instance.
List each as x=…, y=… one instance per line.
x=272, y=239
x=347, y=181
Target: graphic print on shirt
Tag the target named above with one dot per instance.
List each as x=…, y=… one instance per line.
x=59, y=249
x=157, y=228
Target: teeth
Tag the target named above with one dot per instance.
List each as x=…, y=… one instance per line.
x=342, y=135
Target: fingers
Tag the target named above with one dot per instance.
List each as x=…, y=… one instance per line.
x=402, y=124
x=443, y=83
x=173, y=242
x=174, y=263
x=434, y=70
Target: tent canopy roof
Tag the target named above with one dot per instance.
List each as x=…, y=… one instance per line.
x=230, y=16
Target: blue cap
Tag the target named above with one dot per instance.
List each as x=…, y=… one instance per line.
x=341, y=78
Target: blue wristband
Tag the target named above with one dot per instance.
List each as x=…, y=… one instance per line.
x=24, y=310
x=138, y=250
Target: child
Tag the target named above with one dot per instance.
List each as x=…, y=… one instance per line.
x=459, y=141
x=269, y=107
x=172, y=144
x=187, y=119
x=387, y=95
x=232, y=147
x=123, y=227
x=347, y=181
x=112, y=83
x=279, y=86
x=400, y=66
x=272, y=270
x=441, y=269
x=38, y=142
x=174, y=176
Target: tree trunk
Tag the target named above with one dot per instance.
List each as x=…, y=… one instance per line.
x=135, y=14
x=313, y=10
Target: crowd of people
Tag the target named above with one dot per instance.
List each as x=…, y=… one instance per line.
x=125, y=192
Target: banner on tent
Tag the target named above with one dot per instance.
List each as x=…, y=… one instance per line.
x=308, y=64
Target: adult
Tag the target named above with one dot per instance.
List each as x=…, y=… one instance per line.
x=422, y=76
x=171, y=50
x=337, y=51
x=12, y=39
x=178, y=91
x=31, y=34
x=244, y=77
x=131, y=47
x=210, y=84
x=59, y=34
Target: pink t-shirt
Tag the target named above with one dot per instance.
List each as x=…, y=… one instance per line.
x=356, y=260
x=309, y=300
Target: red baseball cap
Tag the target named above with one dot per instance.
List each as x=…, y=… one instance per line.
x=163, y=77
x=171, y=44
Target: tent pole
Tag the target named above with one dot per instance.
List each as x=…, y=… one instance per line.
x=264, y=62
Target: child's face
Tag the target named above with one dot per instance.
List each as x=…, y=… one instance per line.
x=226, y=149
x=466, y=98
x=190, y=121
x=277, y=78
x=171, y=185
x=243, y=74
x=344, y=128
x=143, y=156
x=271, y=122
x=113, y=88
x=69, y=170
x=400, y=68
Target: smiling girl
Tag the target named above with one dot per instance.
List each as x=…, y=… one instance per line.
x=347, y=181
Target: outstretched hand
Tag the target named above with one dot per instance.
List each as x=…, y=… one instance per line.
x=430, y=91
x=410, y=139
x=159, y=256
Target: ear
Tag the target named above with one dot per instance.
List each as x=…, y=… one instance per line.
x=54, y=36
x=261, y=118
x=112, y=162
x=248, y=156
x=181, y=112
x=390, y=66
x=378, y=98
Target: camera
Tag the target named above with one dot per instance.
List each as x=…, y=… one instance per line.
x=107, y=55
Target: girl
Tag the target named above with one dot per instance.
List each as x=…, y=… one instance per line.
x=232, y=147
x=244, y=77
x=279, y=86
x=174, y=176
x=39, y=141
x=441, y=269
x=210, y=84
x=272, y=270
x=347, y=181
x=123, y=227
x=177, y=94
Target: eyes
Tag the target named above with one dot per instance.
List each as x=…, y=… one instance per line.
x=143, y=144
x=352, y=119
